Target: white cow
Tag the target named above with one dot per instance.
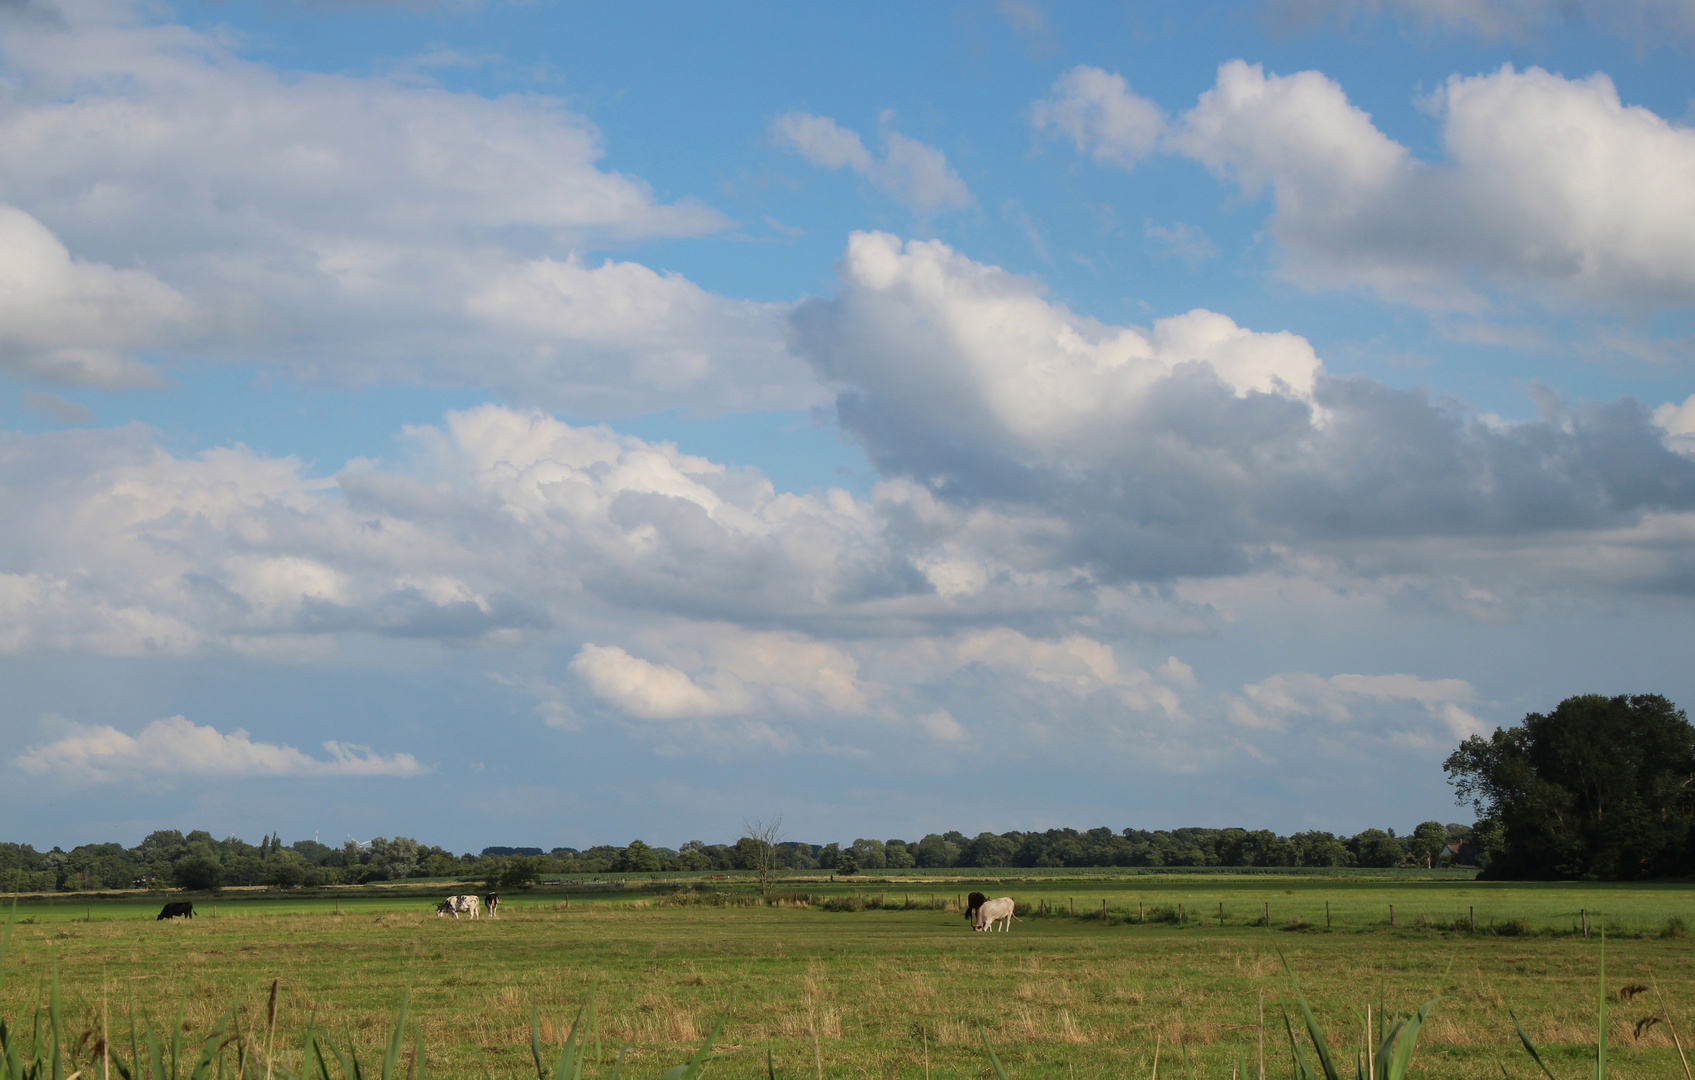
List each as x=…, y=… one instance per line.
x=998, y=910
x=454, y=905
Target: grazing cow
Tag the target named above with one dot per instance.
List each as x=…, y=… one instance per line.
x=972, y=903
x=492, y=902
x=183, y=908
x=468, y=904
x=998, y=910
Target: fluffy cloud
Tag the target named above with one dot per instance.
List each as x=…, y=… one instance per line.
x=178, y=748
x=678, y=334
x=354, y=229
x=1194, y=448
x=1101, y=116
x=1038, y=461
x=501, y=525
x=1550, y=186
x=909, y=171
x=67, y=320
x=731, y=672
x=1302, y=699
x=1679, y=423
x=652, y=691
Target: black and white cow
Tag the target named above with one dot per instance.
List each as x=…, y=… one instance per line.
x=492, y=902
x=467, y=904
x=182, y=908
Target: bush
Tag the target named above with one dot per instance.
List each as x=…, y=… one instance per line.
x=1674, y=928
x=846, y=864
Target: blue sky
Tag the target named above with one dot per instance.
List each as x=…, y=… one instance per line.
x=546, y=424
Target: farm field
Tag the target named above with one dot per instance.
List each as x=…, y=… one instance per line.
x=1058, y=996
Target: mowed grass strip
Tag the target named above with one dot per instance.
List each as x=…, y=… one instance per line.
x=1055, y=994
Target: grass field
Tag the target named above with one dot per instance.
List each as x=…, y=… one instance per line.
x=1058, y=996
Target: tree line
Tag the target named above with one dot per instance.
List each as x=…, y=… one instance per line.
x=168, y=858
x=1599, y=787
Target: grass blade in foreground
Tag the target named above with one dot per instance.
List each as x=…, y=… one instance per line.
x=1303, y=1071
x=1314, y=1032
x=1399, y=1055
x=1530, y=1047
x=1601, y=1024
x=690, y=1069
x=994, y=1059
x=391, y=1056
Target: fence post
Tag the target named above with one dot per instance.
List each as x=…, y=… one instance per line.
x=1327, y=914
x=1180, y=915
x=1391, y=916
x=1221, y=913
x=1141, y=914
x=1472, y=915
x=1103, y=911
x=1268, y=914
x=1583, y=913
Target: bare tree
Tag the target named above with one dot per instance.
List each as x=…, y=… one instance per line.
x=764, y=835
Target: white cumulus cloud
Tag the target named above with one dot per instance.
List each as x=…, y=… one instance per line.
x=1282, y=701
x=1550, y=186
x=1101, y=115
x=73, y=321
x=176, y=747
x=914, y=173
x=1193, y=447
x=168, y=193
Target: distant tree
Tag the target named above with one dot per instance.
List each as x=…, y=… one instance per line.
x=197, y=872
x=1599, y=787
x=313, y=852
x=637, y=858
x=897, y=855
x=287, y=870
x=990, y=850
x=693, y=856
x=762, y=836
x=521, y=872
x=847, y=865
x=351, y=856
x=1490, y=840
x=1427, y=842
x=439, y=866
x=1376, y=848
x=794, y=855
x=398, y=857
x=828, y=857
x=870, y=854
x=1317, y=848
x=937, y=851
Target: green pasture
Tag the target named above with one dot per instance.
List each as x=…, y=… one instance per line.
x=884, y=988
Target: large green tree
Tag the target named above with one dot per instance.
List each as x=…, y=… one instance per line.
x=1600, y=787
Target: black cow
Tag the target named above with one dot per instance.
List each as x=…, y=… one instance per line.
x=972, y=903
x=184, y=908
x=492, y=902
